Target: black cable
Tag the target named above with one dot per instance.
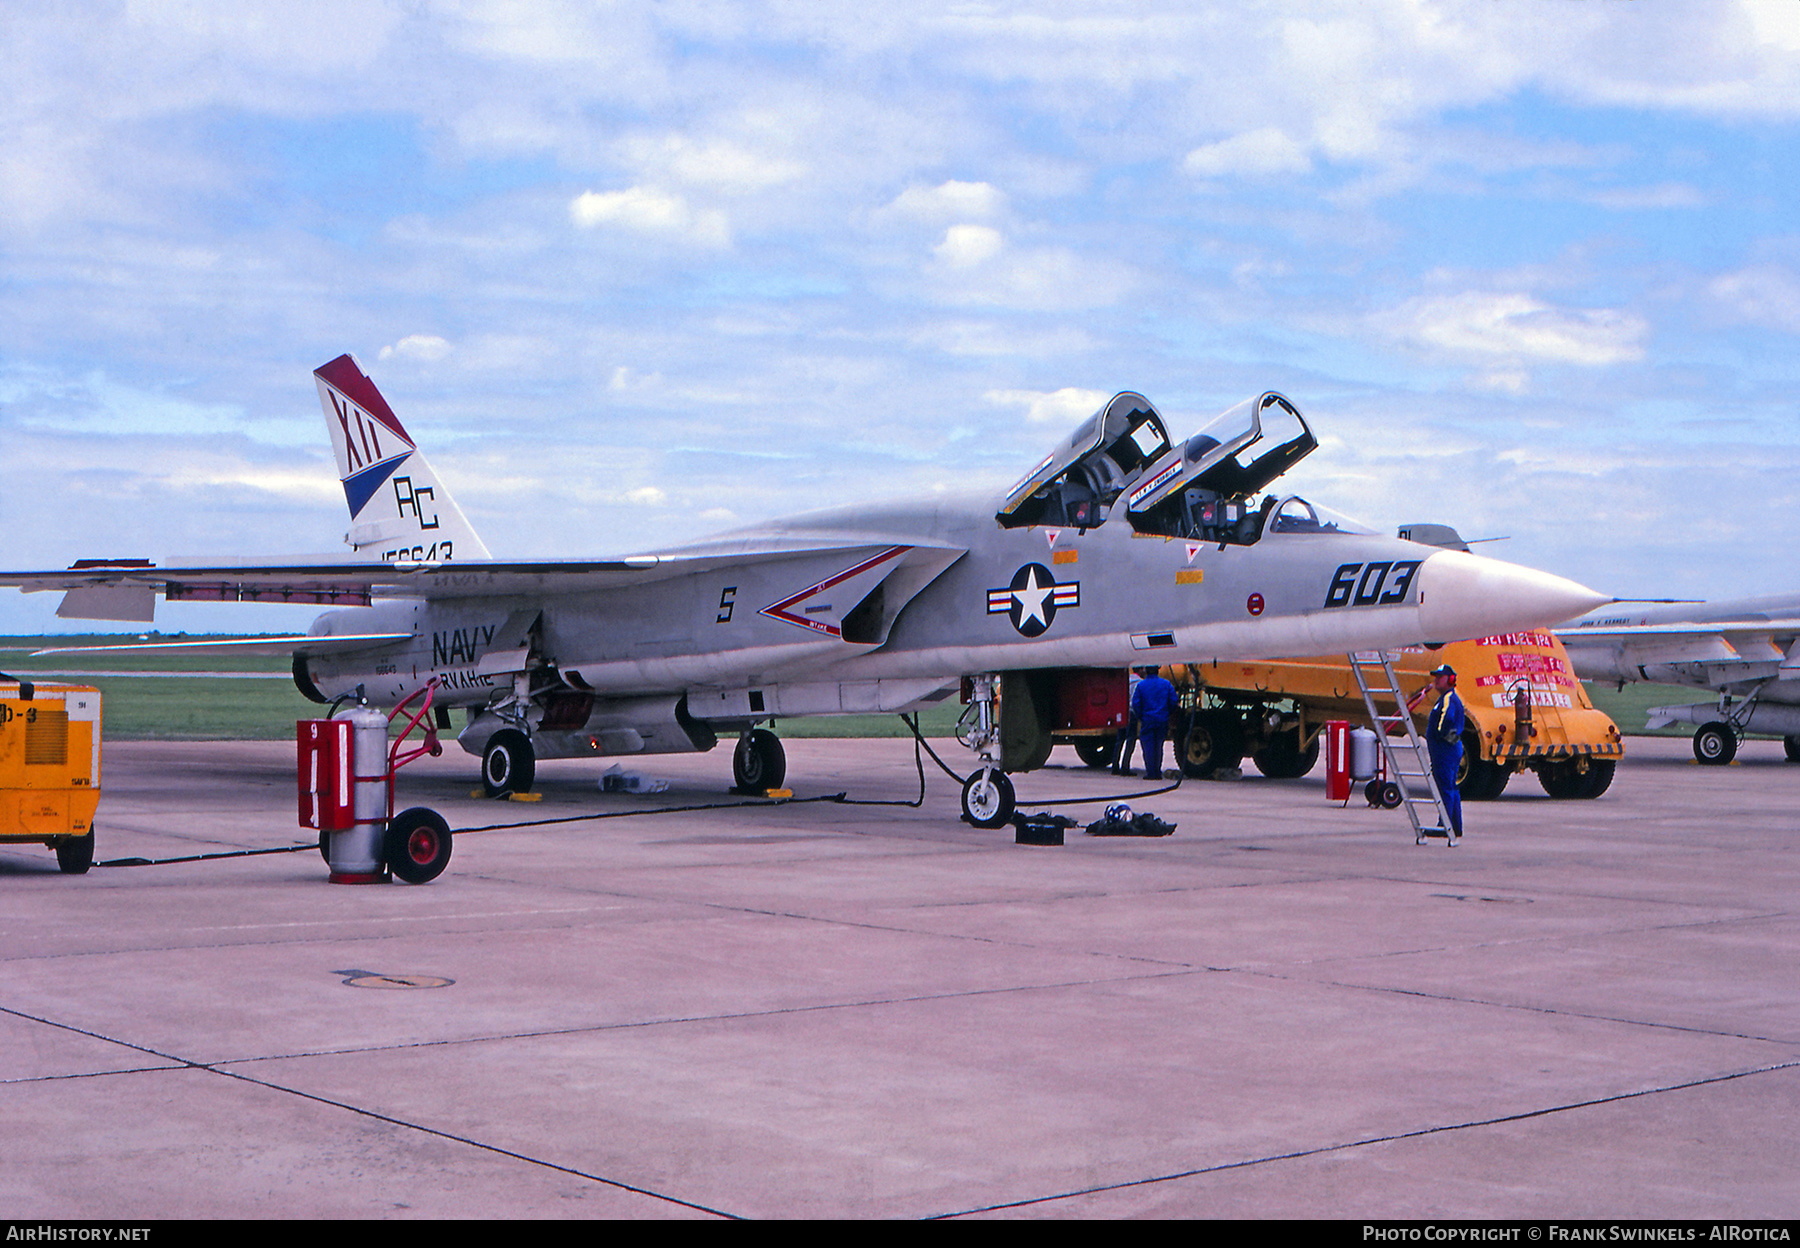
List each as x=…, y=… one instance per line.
x=492, y=827
x=230, y=853
x=658, y=810
x=843, y=799
x=918, y=762
x=913, y=723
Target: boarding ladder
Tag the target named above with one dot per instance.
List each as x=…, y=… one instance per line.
x=1408, y=763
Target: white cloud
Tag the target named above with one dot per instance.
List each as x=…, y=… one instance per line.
x=1067, y=406
x=1257, y=152
x=974, y=266
x=718, y=164
x=993, y=339
x=1774, y=22
x=625, y=379
x=426, y=347
x=1767, y=295
x=965, y=246
x=1516, y=327
x=646, y=210
x=949, y=201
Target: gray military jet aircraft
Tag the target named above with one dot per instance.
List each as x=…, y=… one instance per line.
x=1747, y=650
x=1118, y=549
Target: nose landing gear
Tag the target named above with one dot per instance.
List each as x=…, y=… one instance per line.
x=987, y=796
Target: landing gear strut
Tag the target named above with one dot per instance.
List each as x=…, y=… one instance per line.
x=987, y=796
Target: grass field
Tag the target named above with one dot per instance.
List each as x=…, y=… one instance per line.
x=262, y=703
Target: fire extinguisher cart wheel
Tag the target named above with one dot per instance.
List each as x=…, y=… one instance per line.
x=418, y=845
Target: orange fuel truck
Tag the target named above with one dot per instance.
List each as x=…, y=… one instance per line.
x=1525, y=711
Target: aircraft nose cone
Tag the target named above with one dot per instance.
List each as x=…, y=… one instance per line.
x=1463, y=596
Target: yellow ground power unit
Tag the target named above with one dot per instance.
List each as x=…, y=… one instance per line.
x=50, y=768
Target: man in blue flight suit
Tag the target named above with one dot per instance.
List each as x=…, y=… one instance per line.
x=1443, y=736
x=1152, y=705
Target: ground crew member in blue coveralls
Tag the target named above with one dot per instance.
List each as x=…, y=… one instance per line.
x=1152, y=704
x=1443, y=736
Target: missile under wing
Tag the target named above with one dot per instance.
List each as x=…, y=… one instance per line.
x=857, y=610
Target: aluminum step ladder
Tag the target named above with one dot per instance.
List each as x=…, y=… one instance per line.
x=1408, y=761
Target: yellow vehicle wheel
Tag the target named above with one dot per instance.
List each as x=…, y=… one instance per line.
x=1478, y=780
x=75, y=854
x=1283, y=759
x=1214, y=741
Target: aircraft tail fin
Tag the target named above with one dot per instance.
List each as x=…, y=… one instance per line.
x=399, y=509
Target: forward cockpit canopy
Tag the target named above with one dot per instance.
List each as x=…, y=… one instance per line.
x=1203, y=493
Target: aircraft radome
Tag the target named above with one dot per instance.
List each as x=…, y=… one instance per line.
x=1748, y=649
x=1119, y=548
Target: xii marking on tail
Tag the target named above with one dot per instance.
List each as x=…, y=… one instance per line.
x=404, y=517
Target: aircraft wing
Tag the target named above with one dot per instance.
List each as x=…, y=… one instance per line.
x=127, y=589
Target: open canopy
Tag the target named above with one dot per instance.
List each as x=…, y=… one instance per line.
x=1076, y=486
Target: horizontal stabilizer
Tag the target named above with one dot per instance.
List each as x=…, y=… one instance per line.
x=136, y=603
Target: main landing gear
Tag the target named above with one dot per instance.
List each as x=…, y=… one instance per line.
x=1715, y=744
x=759, y=763
x=508, y=763
x=987, y=796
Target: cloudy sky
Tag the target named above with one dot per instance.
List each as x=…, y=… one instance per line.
x=634, y=272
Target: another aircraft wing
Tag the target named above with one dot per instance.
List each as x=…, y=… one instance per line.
x=1718, y=646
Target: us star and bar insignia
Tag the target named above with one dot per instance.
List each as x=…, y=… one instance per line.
x=1033, y=599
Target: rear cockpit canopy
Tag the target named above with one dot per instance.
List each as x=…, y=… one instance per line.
x=1204, y=492
x=1076, y=486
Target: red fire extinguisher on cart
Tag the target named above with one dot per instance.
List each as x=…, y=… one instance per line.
x=346, y=767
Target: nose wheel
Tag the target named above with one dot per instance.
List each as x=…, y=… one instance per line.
x=987, y=798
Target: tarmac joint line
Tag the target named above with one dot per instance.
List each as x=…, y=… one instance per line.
x=1522, y=1116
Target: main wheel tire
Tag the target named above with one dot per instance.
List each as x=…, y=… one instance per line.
x=508, y=763
x=1096, y=752
x=987, y=798
x=1283, y=759
x=1715, y=744
x=417, y=845
x=759, y=763
x=75, y=854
